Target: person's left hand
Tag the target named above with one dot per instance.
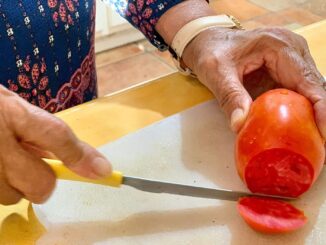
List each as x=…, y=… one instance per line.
x=224, y=60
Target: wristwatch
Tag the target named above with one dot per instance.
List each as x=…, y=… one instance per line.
x=192, y=29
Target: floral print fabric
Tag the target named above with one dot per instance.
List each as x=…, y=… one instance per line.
x=47, y=46
x=144, y=14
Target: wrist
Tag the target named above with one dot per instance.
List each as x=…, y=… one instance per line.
x=179, y=15
x=192, y=53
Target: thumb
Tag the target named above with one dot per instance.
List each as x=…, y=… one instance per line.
x=48, y=133
x=233, y=98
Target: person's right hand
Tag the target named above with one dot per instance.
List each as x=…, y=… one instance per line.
x=28, y=133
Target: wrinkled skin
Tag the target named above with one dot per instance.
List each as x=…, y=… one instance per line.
x=235, y=64
x=29, y=133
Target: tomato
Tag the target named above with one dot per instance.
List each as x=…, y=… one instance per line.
x=279, y=150
x=270, y=215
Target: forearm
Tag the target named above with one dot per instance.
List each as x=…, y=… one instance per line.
x=179, y=15
x=160, y=20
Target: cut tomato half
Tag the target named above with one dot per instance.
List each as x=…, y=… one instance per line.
x=279, y=150
x=279, y=172
x=270, y=215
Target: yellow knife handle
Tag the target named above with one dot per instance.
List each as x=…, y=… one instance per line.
x=62, y=172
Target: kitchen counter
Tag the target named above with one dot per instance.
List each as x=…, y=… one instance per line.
x=127, y=111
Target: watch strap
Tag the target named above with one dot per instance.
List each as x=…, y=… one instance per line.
x=192, y=29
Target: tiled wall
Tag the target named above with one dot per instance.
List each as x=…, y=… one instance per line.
x=138, y=62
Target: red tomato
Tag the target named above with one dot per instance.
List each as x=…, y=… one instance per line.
x=270, y=215
x=280, y=151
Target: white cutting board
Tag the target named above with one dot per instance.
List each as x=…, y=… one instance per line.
x=194, y=147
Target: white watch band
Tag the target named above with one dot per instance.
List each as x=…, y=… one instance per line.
x=189, y=31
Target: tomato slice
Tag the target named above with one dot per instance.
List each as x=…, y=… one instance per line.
x=270, y=215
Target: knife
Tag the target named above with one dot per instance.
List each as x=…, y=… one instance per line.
x=117, y=179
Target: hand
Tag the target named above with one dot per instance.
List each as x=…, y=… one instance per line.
x=29, y=133
x=225, y=60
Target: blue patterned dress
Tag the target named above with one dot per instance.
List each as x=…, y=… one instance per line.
x=47, y=46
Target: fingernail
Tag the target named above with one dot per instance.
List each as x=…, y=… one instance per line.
x=101, y=167
x=237, y=118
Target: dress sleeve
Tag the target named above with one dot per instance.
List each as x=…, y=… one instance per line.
x=143, y=15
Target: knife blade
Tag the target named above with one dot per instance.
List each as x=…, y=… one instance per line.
x=154, y=186
x=117, y=179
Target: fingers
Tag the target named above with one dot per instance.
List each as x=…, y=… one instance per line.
x=300, y=74
x=321, y=117
x=25, y=173
x=289, y=62
x=9, y=195
x=318, y=81
x=37, y=151
x=49, y=133
x=27, y=135
x=77, y=155
x=232, y=96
